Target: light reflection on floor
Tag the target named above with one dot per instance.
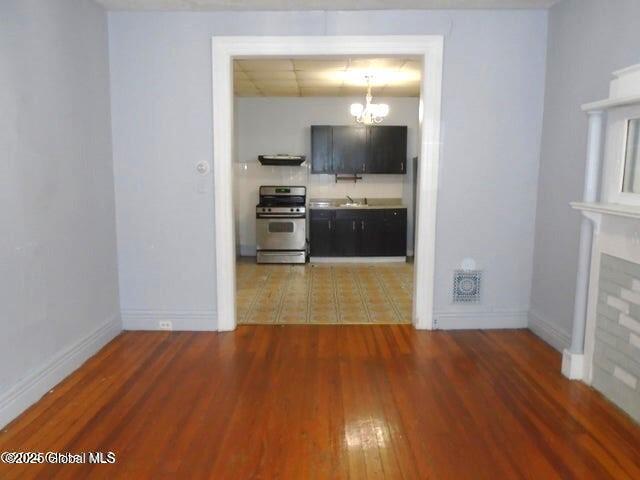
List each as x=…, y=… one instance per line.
x=371, y=433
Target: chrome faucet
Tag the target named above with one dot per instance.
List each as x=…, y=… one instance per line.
x=350, y=199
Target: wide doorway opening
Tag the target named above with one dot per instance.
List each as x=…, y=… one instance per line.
x=325, y=170
x=324, y=197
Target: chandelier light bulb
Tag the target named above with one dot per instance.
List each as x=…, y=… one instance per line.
x=383, y=109
x=369, y=113
x=357, y=109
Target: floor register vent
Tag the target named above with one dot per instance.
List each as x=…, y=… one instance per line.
x=466, y=286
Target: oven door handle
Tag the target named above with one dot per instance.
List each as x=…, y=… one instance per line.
x=279, y=215
x=281, y=253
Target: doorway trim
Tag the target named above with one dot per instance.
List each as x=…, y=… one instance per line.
x=226, y=48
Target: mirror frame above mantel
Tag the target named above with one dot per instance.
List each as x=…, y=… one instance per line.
x=622, y=106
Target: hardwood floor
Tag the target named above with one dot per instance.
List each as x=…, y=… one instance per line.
x=327, y=402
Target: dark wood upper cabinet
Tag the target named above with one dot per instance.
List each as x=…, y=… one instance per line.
x=387, y=150
x=349, y=149
x=321, y=142
x=357, y=149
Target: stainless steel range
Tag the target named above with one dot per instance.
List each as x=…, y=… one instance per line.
x=281, y=219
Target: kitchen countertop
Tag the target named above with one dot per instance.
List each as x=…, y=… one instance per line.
x=343, y=203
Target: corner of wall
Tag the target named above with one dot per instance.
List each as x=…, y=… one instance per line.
x=41, y=380
x=548, y=331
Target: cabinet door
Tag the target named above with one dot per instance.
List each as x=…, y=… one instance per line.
x=396, y=232
x=346, y=237
x=387, y=150
x=321, y=235
x=349, y=149
x=321, y=139
x=372, y=233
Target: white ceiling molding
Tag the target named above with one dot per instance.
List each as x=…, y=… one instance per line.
x=329, y=77
x=258, y=5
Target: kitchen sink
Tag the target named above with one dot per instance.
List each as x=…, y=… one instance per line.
x=362, y=202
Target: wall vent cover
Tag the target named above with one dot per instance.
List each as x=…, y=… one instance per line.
x=466, y=286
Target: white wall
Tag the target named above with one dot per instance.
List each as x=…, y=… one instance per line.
x=58, y=276
x=588, y=39
x=161, y=106
x=257, y=133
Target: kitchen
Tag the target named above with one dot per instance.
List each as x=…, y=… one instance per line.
x=304, y=149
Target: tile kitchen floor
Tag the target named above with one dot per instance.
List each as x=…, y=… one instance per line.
x=378, y=293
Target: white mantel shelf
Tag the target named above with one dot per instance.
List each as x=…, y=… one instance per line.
x=615, y=209
x=611, y=103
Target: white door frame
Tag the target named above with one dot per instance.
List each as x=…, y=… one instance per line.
x=226, y=48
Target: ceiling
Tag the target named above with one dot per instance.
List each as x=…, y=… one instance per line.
x=334, y=77
x=319, y=4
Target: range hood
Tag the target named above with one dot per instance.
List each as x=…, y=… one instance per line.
x=282, y=160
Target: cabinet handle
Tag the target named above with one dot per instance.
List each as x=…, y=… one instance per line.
x=354, y=225
x=329, y=224
x=362, y=225
x=401, y=166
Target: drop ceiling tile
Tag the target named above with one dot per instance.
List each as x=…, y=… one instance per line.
x=320, y=82
x=275, y=83
x=404, y=91
x=320, y=91
x=412, y=65
x=271, y=75
x=239, y=75
x=353, y=91
x=406, y=79
x=376, y=63
x=280, y=92
x=320, y=65
x=326, y=77
x=320, y=74
x=275, y=65
x=247, y=93
x=243, y=84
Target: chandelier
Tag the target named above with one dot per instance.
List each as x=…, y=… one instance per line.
x=370, y=112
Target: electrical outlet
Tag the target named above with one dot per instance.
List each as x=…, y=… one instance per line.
x=165, y=325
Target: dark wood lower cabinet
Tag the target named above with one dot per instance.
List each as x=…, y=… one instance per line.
x=358, y=233
x=373, y=233
x=395, y=230
x=321, y=225
x=346, y=237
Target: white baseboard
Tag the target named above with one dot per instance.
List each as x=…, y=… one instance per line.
x=32, y=387
x=181, y=320
x=357, y=259
x=547, y=331
x=471, y=320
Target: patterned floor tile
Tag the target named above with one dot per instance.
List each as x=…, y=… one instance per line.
x=325, y=293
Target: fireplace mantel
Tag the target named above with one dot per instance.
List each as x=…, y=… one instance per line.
x=614, y=209
x=610, y=211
